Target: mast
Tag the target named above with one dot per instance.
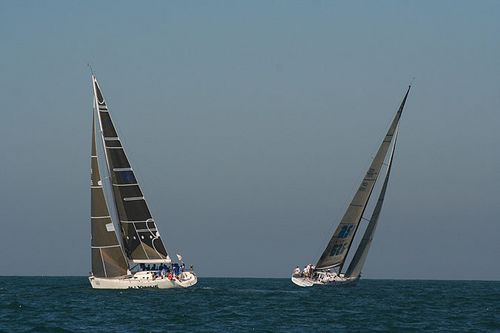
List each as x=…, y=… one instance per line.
x=108, y=259
x=338, y=247
x=140, y=235
x=356, y=265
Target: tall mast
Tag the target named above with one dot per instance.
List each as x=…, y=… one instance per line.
x=140, y=236
x=103, y=145
x=338, y=247
x=107, y=255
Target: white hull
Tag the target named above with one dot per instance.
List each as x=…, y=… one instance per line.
x=323, y=278
x=144, y=280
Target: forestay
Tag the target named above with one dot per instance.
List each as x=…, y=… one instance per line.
x=336, y=251
x=141, y=238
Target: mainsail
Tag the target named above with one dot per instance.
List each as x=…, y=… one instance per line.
x=336, y=251
x=141, y=239
x=356, y=265
x=107, y=256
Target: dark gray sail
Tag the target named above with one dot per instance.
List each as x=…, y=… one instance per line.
x=141, y=239
x=356, y=265
x=338, y=247
x=108, y=259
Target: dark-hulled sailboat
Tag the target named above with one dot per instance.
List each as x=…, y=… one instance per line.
x=132, y=255
x=329, y=268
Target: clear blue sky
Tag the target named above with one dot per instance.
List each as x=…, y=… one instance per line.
x=250, y=126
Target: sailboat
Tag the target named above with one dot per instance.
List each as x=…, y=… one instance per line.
x=329, y=268
x=126, y=248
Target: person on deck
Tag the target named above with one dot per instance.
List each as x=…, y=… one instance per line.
x=175, y=269
x=310, y=270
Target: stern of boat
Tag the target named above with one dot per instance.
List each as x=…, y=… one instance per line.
x=186, y=279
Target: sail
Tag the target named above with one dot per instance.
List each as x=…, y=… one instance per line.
x=107, y=256
x=356, y=265
x=336, y=251
x=141, y=238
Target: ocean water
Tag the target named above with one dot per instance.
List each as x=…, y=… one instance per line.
x=68, y=304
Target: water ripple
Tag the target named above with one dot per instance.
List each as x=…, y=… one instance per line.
x=68, y=304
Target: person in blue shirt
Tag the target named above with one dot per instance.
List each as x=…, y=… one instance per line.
x=175, y=268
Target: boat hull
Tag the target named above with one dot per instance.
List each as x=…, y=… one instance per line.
x=138, y=281
x=323, y=279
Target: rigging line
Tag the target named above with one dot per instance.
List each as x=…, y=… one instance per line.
x=156, y=236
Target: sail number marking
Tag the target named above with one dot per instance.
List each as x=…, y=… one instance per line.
x=345, y=231
x=338, y=249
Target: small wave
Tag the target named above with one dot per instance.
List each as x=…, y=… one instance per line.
x=13, y=306
x=270, y=291
x=51, y=329
x=251, y=290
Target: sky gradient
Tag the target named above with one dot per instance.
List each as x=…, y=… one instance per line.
x=250, y=126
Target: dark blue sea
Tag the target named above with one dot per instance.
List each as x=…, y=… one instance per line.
x=68, y=304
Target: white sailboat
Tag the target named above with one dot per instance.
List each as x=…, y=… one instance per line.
x=133, y=254
x=329, y=268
